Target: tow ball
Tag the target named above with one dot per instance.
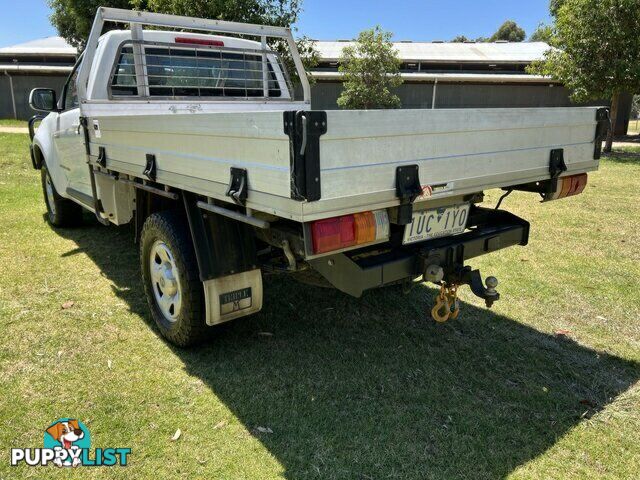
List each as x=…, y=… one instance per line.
x=447, y=305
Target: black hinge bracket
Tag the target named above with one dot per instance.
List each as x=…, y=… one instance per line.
x=556, y=163
x=603, y=124
x=97, y=204
x=238, y=185
x=304, y=129
x=408, y=187
x=102, y=157
x=150, y=168
x=85, y=128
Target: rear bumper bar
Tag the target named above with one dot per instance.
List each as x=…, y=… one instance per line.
x=360, y=270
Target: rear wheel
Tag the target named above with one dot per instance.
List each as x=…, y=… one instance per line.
x=61, y=212
x=170, y=274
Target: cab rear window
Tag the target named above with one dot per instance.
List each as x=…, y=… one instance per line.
x=175, y=72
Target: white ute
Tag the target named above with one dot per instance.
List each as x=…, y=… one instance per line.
x=198, y=139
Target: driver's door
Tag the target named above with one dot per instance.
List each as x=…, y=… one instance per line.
x=69, y=138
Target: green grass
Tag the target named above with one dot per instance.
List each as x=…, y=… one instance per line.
x=351, y=388
x=634, y=126
x=10, y=122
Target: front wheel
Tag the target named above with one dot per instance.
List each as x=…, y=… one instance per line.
x=170, y=274
x=61, y=212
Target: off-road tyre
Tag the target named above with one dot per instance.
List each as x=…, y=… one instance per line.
x=170, y=229
x=61, y=212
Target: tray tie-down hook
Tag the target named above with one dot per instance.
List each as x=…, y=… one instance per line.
x=447, y=304
x=238, y=185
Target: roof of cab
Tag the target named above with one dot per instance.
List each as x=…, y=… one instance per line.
x=169, y=37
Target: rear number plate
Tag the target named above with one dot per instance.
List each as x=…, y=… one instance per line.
x=439, y=222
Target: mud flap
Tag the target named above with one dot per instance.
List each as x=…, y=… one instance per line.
x=233, y=296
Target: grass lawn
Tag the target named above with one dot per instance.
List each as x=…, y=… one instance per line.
x=321, y=385
x=10, y=122
x=634, y=126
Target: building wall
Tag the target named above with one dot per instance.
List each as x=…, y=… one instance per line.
x=324, y=96
x=22, y=86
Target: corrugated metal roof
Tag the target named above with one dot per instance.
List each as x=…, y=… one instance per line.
x=41, y=46
x=35, y=68
x=517, y=52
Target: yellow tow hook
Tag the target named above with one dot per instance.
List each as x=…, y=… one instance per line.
x=447, y=304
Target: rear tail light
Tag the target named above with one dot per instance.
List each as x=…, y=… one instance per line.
x=199, y=41
x=569, y=186
x=349, y=230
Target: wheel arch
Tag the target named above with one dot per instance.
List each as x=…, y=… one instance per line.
x=37, y=157
x=223, y=246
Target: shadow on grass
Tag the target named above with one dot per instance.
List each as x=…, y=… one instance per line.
x=372, y=388
x=626, y=155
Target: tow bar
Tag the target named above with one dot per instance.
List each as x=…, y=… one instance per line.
x=447, y=305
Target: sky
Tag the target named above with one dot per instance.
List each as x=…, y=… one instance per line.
x=417, y=20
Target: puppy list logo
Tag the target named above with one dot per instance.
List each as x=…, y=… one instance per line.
x=67, y=444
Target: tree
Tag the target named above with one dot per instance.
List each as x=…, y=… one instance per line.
x=543, y=33
x=282, y=13
x=598, y=51
x=371, y=69
x=509, y=31
x=308, y=53
x=635, y=107
x=554, y=6
x=73, y=18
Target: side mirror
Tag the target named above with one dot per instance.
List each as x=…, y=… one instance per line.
x=43, y=100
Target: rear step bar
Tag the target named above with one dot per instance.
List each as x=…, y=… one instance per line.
x=360, y=270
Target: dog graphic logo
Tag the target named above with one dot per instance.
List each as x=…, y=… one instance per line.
x=67, y=444
x=68, y=434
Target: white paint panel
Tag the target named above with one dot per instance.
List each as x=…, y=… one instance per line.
x=470, y=147
x=469, y=150
x=203, y=146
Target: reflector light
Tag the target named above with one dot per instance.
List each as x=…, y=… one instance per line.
x=365, y=227
x=349, y=230
x=199, y=41
x=326, y=235
x=569, y=186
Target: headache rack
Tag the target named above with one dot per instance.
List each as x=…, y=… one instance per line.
x=183, y=70
x=258, y=81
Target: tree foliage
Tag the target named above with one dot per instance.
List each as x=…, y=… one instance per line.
x=554, y=6
x=460, y=39
x=73, y=18
x=308, y=53
x=598, y=50
x=543, y=33
x=371, y=69
x=281, y=13
x=510, y=32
